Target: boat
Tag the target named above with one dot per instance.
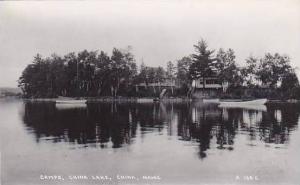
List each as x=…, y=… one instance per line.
x=258, y=104
x=245, y=102
x=147, y=100
x=66, y=103
x=61, y=106
x=70, y=101
x=212, y=100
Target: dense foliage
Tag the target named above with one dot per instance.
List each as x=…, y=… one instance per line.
x=201, y=66
x=94, y=74
x=82, y=74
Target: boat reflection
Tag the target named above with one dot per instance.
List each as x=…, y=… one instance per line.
x=115, y=125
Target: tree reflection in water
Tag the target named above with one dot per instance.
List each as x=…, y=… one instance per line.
x=116, y=124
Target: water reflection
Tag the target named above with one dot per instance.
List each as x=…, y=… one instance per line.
x=116, y=125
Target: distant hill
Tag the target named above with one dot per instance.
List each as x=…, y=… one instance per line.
x=9, y=91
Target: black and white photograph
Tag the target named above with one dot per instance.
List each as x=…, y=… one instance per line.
x=150, y=92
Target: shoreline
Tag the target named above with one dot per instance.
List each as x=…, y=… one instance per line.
x=142, y=100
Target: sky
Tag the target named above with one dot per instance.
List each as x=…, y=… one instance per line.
x=157, y=30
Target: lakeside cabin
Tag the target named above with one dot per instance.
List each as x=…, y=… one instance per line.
x=160, y=87
x=212, y=87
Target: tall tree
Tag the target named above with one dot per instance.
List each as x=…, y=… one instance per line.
x=58, y=75
x=35, y=78
x=182, y=74
x=183, y=66
x=86, y=71
x=273, y=68
x=249, y=73
x=171, y=69
x=202, y=62
x=289, y=81
x=123, y=69
x=102, y=71
x=142, y=77
x=226, y=67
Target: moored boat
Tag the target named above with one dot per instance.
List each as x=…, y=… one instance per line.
x=70, y=101
x=258, y=104
x=70, y=105
x=147, y=100
x=211, y=100
x=67, y=103
x=246, y=102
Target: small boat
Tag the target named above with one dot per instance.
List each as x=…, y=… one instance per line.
x=258, y=104
x=147, y=100
x=62, y=106
x=68, y=103
x=212, y=100
x=246, y=102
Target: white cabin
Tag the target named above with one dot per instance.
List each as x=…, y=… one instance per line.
x=210, y=83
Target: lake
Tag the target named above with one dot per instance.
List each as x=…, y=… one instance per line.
x=148, y=143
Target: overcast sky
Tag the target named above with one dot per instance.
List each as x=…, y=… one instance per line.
x=158, y=31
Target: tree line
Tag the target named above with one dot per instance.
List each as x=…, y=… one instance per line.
x=94, y=74
x=272, y=72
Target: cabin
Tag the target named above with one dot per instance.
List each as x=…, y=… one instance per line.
x=212, y=87
x=158, y=87
x=166, y=83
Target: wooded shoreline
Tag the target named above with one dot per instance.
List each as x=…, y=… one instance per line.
x=146, y=100
x=203, y=74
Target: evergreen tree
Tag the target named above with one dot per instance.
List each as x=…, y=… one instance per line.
x=202, y=62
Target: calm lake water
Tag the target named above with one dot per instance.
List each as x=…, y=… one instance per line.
x=173, y=143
